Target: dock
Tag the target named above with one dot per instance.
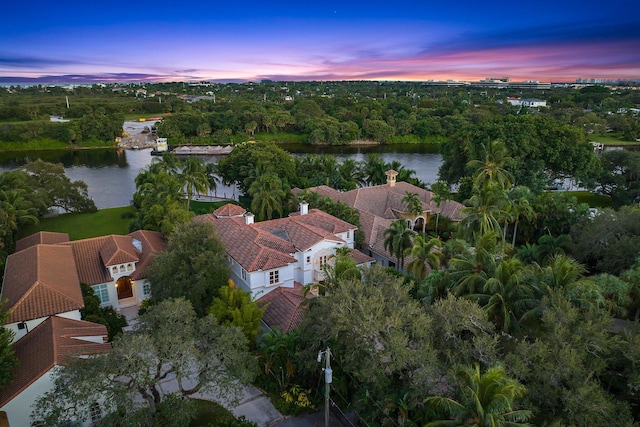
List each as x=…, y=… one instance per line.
x=203, y=150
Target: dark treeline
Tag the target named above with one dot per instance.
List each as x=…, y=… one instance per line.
x=309, y=112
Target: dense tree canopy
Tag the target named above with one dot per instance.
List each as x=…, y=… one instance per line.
x=194, y=266
x=168, y=342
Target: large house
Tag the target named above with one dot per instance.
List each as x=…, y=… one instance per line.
x=275, y=259
x=42, y=288
x=39, y=352
x=380, y=205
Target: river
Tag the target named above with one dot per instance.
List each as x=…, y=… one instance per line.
x=110, y=174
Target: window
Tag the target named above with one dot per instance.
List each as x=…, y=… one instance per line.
x=323, y=260
x=274, y=277
x=146, y=289
x=348, y=234
x=129, y=267
x=101, y=292
x=122, y=269
x=308, y=259
x=114, y=270
x=244, y=274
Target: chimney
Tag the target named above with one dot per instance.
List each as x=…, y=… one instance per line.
x=248, y=218
x=304, y=208
x=391, y=177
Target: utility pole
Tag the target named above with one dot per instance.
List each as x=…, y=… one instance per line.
x=328, y=379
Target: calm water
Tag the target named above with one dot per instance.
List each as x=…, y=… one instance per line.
x=110, y=174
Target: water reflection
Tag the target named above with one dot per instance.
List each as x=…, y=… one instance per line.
x=110, y=174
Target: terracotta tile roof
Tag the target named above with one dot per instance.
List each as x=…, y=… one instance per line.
x=41, y=281
x=270, y=244
x=41, y=237
x=152, y=243
x=118, y=250
x=252, y=248
x=229, y=210
x=285, y=307
x=385, y=201
x=89, y=265
x=360, y=257
x=50, y=344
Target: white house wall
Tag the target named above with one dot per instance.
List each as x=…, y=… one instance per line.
x=31, y=324
x=19, y=408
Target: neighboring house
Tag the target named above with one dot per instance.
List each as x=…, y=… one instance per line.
x=47, y=269
x=274, y=259
x=47, y=346
x=380, y=205
x=40, y=281
x=266, y=255
x=527, y=102
x=42, y=288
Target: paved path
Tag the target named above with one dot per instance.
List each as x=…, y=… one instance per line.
x=253, y=405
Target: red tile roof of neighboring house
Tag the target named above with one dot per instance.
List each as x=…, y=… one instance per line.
x=270, y=244
x=118, y=250
x=284, y=307
x=385, y=200
x=41, y=281
x=152, y=243
x=93, y=255
x=252, y=248
x=41, y=237
x=50, y=344
x=229, y=210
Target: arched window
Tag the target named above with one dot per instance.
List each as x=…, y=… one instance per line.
x=114, y=270
x=121, y=268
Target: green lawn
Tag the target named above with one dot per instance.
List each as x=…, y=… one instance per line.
x=209, y=414
x=593, y=200
x=611, y=139
x=86, y=225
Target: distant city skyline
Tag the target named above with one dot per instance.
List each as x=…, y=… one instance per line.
x=347, y=40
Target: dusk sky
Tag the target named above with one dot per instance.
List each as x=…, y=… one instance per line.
x=159, y=40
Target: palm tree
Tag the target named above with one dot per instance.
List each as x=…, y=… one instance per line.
x=414, y=204
x=352, y=174
x=16, y=212
x=481, y=216
x=441, y=193
x=484, y=400
x=519, y=207
x=568, y=275
x=397, y=238
x=212, y=177
x=276, y=354
x=472, y=268
x=509, y=294
x=342, y=267
x=194, y=177
x=491, y=170
x=424, y=253
x=268, y=196
x=374, y=168
x=549, y=246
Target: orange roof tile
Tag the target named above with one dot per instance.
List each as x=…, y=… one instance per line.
x=229, y=210
x=48, y=345
x=284, y=307
x=41, y=237
x=41, y=281
x=118, y=250
x=271, y=244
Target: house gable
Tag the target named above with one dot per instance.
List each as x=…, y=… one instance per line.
x=47, y=346
x=41, y=281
